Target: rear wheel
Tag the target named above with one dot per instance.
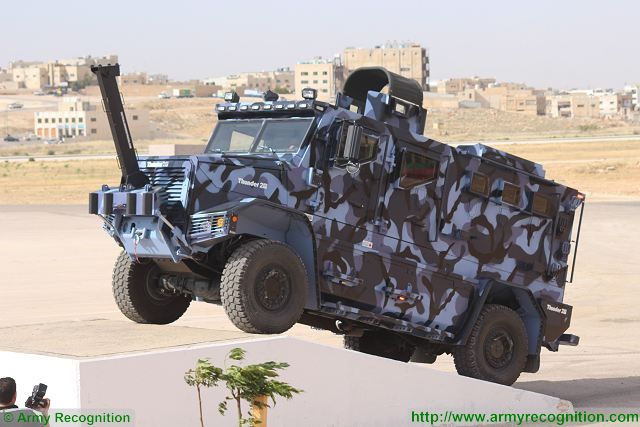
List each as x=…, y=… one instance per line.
x=380, y=344
x=497, y=347
x=264, y=287
x=139, y=296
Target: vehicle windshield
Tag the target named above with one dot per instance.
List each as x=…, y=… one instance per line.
x=259, y=135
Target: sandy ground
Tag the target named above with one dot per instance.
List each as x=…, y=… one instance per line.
x=56, y=266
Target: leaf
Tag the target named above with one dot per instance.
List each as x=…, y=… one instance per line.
x=237, y=353
x=222, y=407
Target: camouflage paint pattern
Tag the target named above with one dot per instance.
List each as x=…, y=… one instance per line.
x=411, y=256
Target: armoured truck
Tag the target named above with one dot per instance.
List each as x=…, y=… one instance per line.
x=343, y=216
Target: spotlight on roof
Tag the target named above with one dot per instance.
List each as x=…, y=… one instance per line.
x=270, y=95
x=231, y=97
x=309, y=93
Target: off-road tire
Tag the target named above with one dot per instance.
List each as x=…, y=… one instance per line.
x=475, y=359
x=140, y=301
x=264, y=287
x=380, y=344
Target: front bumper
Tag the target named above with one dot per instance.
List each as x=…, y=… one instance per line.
x=135, y=220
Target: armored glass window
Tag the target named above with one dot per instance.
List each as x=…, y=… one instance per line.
x=355, y=148
x=541, y=205
x=259, y=135
x=511, y=194
x=480, y=184
x=417, y=169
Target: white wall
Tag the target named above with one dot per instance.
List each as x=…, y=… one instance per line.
x=61, y=376
x=342, y=388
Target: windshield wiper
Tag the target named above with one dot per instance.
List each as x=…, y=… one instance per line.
x=263, y=146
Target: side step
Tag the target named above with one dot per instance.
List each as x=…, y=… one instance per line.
x=382, y=321
x=569, y=339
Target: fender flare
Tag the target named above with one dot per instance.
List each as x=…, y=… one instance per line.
x=267, y=220
x=529, y=310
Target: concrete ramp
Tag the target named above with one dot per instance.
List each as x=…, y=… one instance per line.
x=89, y=367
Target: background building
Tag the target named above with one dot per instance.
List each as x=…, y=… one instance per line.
x=58, y=73
x=77, y=118
x=325, y=75
x=407, y=59
x=573, y=105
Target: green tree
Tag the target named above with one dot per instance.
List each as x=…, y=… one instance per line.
x=250, y=383
x=204, y=375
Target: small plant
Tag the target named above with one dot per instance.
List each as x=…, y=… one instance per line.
x=587, y=128
x=31, y=159
x=51, y=153
x=254, y=384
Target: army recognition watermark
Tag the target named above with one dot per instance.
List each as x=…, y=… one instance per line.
x=68, y=417
x=452, y=418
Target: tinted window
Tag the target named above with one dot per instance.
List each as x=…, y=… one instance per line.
x=417, y=169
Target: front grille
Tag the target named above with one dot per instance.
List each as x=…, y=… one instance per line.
x=171, y=180
x=207, y=223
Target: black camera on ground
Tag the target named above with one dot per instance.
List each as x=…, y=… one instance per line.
x=35, y=401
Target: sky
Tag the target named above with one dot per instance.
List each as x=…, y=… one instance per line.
x=561, y=43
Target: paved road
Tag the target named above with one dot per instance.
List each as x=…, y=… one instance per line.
x=607, y=139
x=56, y=266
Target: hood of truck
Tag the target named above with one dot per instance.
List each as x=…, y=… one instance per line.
x=203, y=182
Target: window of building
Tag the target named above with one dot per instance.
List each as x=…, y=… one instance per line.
x=39, y=120
x=324, y=90
x=134, y=117
x=94, y=131
x=66, y=119
x=315, y=73
x=73, y=119
x=324, y=73
x=315, y=82
x=80, y=119
x=304, y=82
x=511, y=194
x=46, y=120
x=417, y=169
x=480, y=184
x=304, y=73
x=325, y=81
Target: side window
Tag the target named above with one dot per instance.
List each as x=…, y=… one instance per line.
x=417, y=169
x=355, y=145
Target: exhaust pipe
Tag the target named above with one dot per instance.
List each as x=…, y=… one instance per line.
x=132, y=177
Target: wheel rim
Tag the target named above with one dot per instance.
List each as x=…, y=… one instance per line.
x=498, y=348
x=158, y=294
x=273, y=288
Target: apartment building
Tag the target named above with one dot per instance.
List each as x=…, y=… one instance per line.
x=573, y=105
x=280, y=80
x=324, y=75
x=61, y=72
x=456, y=85
x=77, y=118
x=407, y=59
x=634, y=92
x=510, y=97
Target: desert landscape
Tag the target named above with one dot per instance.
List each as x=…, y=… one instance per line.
x=57, y=261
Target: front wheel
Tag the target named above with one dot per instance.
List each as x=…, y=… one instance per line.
x=497, y=348
x=139, y=296
x=264, y=287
